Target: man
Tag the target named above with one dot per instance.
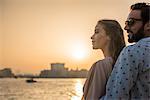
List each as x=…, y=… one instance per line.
x=130, y=78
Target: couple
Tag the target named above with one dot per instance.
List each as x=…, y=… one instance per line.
x=125, y=70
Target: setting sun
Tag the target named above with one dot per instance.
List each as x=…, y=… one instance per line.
x=79, y=52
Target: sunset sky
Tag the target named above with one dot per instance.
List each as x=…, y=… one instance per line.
x=35, y=33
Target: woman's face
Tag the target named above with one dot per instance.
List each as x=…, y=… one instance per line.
x=99, y=38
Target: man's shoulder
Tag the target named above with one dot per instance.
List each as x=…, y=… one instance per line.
x=143, y=43
x=130, y=48
x=139, y=47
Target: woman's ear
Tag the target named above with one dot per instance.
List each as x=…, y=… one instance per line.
x=108, y=38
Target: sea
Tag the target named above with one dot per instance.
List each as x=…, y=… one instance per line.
x=43, y=89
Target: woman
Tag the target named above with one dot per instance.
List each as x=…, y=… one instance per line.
x=109, y=38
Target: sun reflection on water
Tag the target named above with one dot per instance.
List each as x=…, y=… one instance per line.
x=78, y=90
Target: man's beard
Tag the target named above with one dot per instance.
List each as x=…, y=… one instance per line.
x=136, y=37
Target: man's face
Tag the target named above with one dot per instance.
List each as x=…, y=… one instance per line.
x=134, y=26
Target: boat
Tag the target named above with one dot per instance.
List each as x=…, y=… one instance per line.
x=31, y=80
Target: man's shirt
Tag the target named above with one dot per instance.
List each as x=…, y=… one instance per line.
x=130, y=78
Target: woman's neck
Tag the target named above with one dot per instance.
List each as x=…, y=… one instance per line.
x=106, y=52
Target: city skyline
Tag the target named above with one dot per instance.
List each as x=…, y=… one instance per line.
x=55, y=70
x=34, y=33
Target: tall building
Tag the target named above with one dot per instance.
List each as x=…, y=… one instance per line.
x=57, y=66
x=57, y=70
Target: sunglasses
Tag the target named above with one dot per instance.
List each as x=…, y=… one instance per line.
x=131, y=21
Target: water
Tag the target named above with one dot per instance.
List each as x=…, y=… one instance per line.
x=43, y=89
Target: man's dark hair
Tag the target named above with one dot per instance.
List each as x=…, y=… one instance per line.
x=145, y=10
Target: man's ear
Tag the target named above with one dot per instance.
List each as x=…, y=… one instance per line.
x=147, y=26
x=108, y=38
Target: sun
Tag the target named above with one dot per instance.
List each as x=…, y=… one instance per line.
x=79, y=52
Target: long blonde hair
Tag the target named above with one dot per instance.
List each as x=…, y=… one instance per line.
x=115, y=32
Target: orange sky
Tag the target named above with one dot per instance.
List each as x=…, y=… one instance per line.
x=34, y=33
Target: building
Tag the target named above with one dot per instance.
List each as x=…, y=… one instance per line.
x=57, y=66
x=59, y=71
x=6, y=72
